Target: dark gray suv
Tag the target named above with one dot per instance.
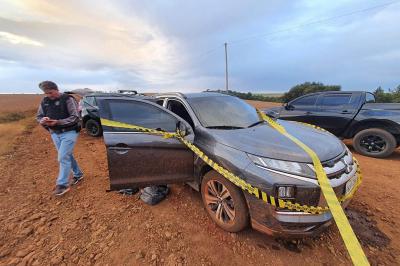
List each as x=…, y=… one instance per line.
x=232, y=134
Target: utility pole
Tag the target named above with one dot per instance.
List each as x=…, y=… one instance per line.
x=226, y=67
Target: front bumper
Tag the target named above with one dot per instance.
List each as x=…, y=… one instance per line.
x=292, y=224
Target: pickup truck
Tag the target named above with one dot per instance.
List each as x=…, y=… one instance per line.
x=374, y=127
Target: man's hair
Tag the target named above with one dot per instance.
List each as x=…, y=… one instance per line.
x=48, y=85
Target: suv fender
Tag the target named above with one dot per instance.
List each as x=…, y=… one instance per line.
x=386, y=125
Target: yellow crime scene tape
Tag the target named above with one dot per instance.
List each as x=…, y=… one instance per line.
x=353, y=246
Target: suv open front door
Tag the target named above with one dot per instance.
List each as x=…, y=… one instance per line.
x=137, y=159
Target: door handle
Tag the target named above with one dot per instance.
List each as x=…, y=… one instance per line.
x=122, y=145
x=345, y=112
x=121, y=148
x=309, y=113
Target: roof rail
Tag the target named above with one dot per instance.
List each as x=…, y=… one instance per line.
x=172, y=94
x=127, y=91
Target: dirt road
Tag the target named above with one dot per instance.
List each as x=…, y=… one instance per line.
x=90, y=226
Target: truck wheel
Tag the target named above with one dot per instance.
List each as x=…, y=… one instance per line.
x=224, y=202
x=374, y=142
x=93, y=128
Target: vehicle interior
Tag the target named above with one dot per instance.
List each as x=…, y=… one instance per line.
x=179, y=109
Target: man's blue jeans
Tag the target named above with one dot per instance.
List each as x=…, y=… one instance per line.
x=65, y=143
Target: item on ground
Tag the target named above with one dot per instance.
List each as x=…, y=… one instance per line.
x=128, y=191
x=154, y=194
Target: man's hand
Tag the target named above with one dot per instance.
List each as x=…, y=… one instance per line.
x=44, y=120
x=48, y=122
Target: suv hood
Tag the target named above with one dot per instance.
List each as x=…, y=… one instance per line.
x=263, y=140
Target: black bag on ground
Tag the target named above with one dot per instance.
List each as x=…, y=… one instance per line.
x=154, y=194
x=128, y=191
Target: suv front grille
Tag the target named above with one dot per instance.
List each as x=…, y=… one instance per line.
x=337, y=167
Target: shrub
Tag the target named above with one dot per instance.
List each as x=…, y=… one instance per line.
x=11, y=117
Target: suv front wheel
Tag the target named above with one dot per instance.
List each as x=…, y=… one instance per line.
x=224, y=202
x=93, y=128
x=374, y=142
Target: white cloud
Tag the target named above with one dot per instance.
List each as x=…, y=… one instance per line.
x=91, y=35
x=17, y=39
x=163, y=45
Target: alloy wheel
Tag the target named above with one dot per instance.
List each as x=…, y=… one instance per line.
x=373, y=143
x=220, y=202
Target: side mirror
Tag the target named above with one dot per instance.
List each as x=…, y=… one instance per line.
x=181, y=127
x=288, y=106
x=272, y=114
x=285, y=105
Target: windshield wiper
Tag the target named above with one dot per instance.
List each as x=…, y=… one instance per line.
x=256, y=123
x=224, y=127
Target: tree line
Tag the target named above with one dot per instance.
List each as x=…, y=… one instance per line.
x=250, y=96
x=390, y=96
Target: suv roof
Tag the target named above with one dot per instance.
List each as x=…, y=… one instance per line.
x=119, y=96
x=337, y=92
x=154, y=96
x=191, y=94
x=114, y=94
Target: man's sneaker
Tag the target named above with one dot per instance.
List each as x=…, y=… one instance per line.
x=77, y=179
x=61, y=190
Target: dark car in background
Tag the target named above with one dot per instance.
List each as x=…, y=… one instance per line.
x=374, y=127
x=232, y=134
x=88, y=107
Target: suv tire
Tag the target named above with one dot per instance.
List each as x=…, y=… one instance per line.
x=224, y=202
x=93, y=128
x=374, y=142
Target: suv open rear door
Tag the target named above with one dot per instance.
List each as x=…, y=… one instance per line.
x=137, y=159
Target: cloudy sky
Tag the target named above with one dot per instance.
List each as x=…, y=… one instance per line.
x=178, y=45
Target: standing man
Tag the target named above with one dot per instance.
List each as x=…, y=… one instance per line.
x=58, y=113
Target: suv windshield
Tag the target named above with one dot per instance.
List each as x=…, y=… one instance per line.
x=224, y=112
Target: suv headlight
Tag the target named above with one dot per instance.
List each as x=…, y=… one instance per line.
x=348, y=158
x=301, y=169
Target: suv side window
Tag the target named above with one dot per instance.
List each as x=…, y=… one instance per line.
x=160, y=102
x=369, y=98
x=141, y=114
x=335, y=100
x=305, y=101
x=179, y=109
x=90, y=100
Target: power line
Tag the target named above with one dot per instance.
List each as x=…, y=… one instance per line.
x=210, y=51
x=313, y=22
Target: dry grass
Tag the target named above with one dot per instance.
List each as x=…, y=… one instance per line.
x=16, y=116
x=263, y=105
x=11, y=117
x=10, y=131
x=10, y=103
